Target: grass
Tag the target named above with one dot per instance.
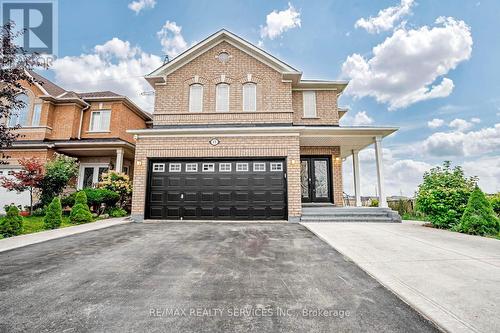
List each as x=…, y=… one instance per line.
x=33, y=224
x=415, y=217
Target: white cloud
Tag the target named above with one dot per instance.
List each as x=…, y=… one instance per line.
x=114, y=65
x=409, y=66
x=488, y=171
x=386, y=18
x=360, y=119
x=279, y=22
x=435, y=123
x=171, y=39
x=139, y=5
x=475, y=120
x=473, y=143
x=460, y=124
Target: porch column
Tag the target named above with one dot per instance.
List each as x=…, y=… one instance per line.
x=382, y=201
x=355, y=169
x=119, y=160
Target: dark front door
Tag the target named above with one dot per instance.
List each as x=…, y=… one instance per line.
x=217, y=189
x=315, y=179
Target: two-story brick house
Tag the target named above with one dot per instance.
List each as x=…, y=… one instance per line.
x=90, y=126
x=237, y=134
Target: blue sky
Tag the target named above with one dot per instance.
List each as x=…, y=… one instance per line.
x=110, y=44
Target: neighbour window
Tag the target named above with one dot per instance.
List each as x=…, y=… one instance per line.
x=208, y=167
x=249, y=97
x=195, y=98
x=225, y=167
x=309, y=99
x=259, y=166
x=222, y=98
x=37, y=112
x=20, y=116
x=100, y=121
x=278, y=166
x=174, y=167
x=242, y=167
x=158, y=167
x=191, y=167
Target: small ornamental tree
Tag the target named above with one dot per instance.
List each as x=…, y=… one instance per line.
x=495, y=203
x=12, y=224
x=28, y=179
x=443, y=195
x=117, y=182
x=14, y=65
x=479, y=218
x=80, y=213
x=58, y=173
x=53, y=215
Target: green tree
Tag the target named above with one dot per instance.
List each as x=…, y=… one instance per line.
x=80, y=213
x=495, y=203
x=478, y=217
x=58, y=173
x=12, y=224
x=53, y=216
x=443, y=195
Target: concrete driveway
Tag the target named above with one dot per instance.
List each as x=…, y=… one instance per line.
x=454, y=279
x=194, y=277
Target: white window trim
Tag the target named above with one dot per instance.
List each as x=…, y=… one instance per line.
x=174, y=167
x=238, y=165
x=33, y=115
x=217, y=96
x=245, y=97
x=162, y=169
x=201, y=101
x=225, y=165
x=100, y=130
x=211, y=167
x=304, y=94
x=195, y=165
x=259, y=163
x=276, y=166
x=95, y=175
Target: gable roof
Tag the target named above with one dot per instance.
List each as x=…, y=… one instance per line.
x=46, y=85
x=158, y=75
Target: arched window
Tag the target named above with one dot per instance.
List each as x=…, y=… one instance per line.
x=222, y=97
x=249, y=97
x=20, y=116
x=196, y=98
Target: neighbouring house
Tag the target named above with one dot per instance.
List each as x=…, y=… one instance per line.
x=91, y=126
x=238, y=134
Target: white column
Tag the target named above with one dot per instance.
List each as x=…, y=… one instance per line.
x=380, y=172
x=119, y=160
x=357, y=184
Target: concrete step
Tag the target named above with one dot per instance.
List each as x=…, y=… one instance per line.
x=378, y=219
x=349, y=214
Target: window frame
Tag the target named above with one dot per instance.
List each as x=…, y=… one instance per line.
x=245, y=97
x=242, y=164
x=174, y=167
x=274, y=164
x=259, y=163
x=36, y=106
x=211, y=167
x=95, y=172
x=100, y=129
x=191, y=165
x=217, y=103
x=225, y=164
x=314, y=111
x=191, y=87
x=16, y=114
x=162, y=169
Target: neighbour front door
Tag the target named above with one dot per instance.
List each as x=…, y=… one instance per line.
x=315, y=179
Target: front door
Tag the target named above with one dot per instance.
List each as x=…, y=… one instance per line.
x=315, y=179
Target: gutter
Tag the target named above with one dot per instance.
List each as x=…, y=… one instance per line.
x=81, y=120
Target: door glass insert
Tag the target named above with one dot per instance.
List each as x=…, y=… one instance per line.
x=88, y=177
x=304, y=178
x=100, y=172
x=321, y=178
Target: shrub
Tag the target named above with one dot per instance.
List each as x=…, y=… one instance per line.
x=58, y=173
x=53, y=216
x=479, y=218
x=374, y=203
x=116, y=212
x=95, y=197
x=443, y=195
x=119, y=183
x=39, y=212
x=495, y=203
x=12, y=224
x=80, y=213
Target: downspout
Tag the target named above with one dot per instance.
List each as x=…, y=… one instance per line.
x=81, y=121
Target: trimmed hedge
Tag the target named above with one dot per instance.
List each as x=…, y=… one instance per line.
x=12, y=224
x=80, y=213
x=95, y=197
x=53, y=215
x=478, y=218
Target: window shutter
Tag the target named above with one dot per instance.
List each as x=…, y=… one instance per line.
x=222, y=104
x=309, y=100
x=196, y=98
x=249, y=97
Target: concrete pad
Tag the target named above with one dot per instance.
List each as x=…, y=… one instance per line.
x=453, y=279
x=42, y=236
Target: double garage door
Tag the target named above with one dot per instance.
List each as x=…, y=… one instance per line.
x=217, y=189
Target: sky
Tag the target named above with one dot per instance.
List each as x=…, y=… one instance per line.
x=427, y=67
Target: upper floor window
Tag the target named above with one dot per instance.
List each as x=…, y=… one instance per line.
x=20, y=116
x=309, y=99
x=195, y=98
x=222, y=97
x=249, y=97
x=37, y=112
x=100, y=121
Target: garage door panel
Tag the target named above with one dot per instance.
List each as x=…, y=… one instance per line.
x=237, y=189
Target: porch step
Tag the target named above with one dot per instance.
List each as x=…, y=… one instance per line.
x=349, y=214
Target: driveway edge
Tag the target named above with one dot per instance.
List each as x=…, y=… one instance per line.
x=43, y=236
x=404, y=299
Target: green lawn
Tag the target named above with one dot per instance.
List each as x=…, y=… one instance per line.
x=33, y=224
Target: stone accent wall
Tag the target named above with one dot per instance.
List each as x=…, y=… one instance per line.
x=336, y=162
x=326, y=108
x=229, y=146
